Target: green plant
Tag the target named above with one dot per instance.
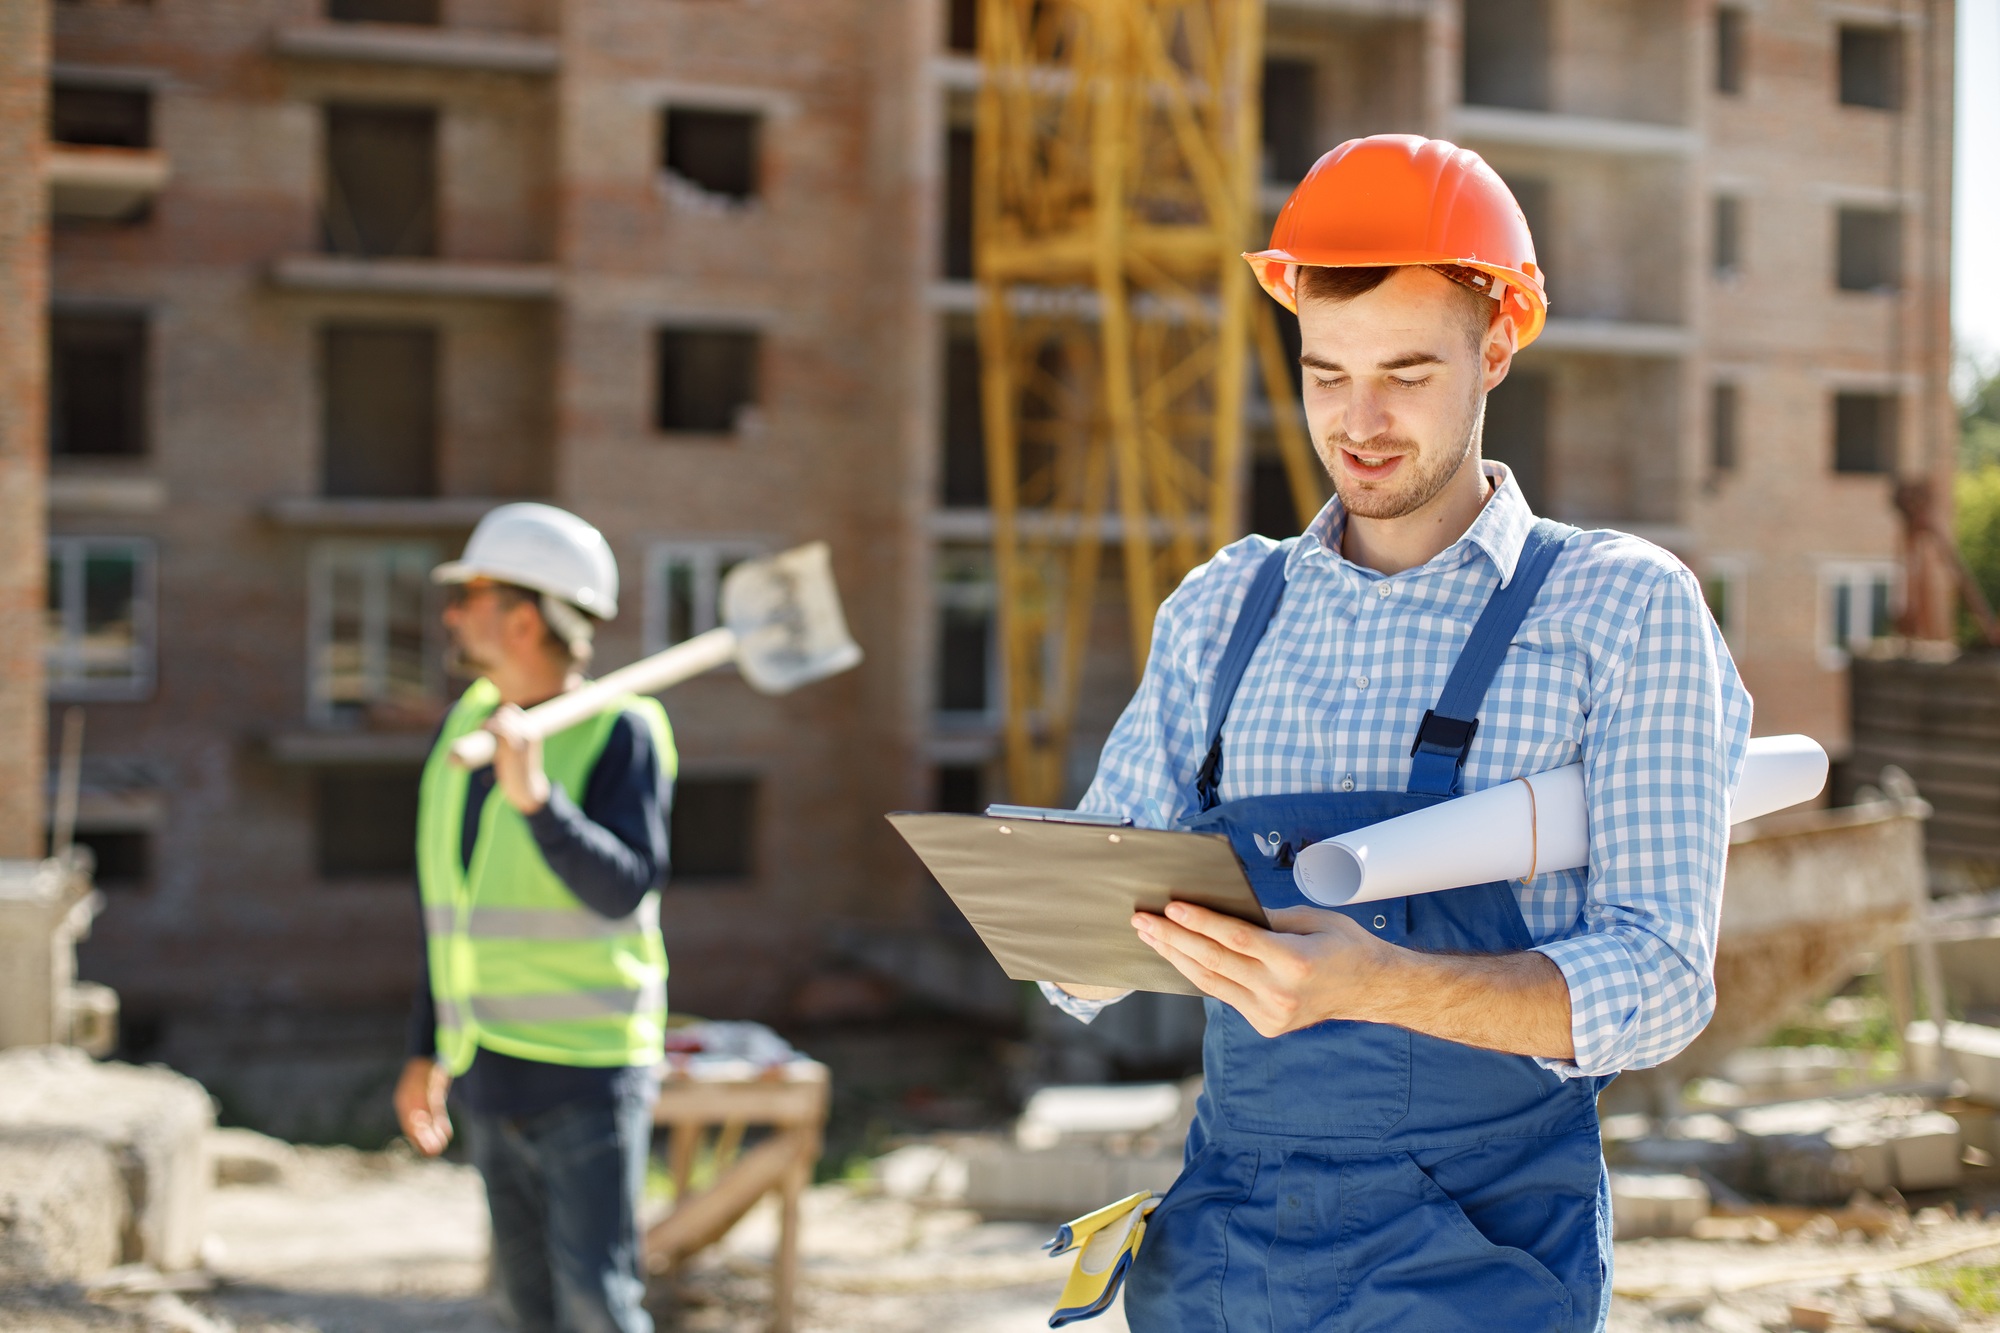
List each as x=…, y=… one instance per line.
x=1976, y=1287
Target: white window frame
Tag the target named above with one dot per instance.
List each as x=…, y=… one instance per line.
x=706, y=559
x=1733, y=573
x=62, y=658
x=326, y=557
x=1852, y=579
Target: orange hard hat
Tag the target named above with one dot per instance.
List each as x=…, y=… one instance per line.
x=1394, y=199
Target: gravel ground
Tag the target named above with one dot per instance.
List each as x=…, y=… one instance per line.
x=345, y=1242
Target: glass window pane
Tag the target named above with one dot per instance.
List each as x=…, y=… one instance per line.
x=680, y=602
x=110, y=644
x=342, y=675
x=1880, y=621
x=406, y=661
x=1842, y=623
x=54, y=631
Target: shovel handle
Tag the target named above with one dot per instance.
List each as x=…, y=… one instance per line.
x=649, y=675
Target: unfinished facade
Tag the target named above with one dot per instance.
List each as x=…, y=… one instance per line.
x=332, y=277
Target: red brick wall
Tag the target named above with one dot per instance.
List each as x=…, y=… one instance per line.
x=23, y=301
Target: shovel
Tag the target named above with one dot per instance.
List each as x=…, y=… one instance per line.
x=781, y=625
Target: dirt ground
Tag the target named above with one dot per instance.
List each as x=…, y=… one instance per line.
x=347, y=1242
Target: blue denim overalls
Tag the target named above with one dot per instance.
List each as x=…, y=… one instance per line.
x=1356, y=1176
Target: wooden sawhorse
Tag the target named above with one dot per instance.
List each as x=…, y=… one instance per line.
x=790, y=1099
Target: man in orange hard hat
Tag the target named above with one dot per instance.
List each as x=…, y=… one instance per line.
x=1399, y=1125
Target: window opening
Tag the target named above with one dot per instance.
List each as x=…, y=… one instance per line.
x=712, y=830
x=961, y=32
x=365, y=821
x=99, y=621
x=424, y=13
x=1517, y=432
x=958, y=204
x=707, y=380
x=380, y=182
x=101, y=117
x=1731, y=36
x=379, y=414
x=963, y=476
x=1726, y=258
x=966, y=670
x=1722, y=588
x=97, y=385
x=122, y=858
x=1291, y=132
x=1864, y=432
x=372, y=641
x=1869, y=244
x=1506, y=53
x=1871, y=61
x=1723, y=408
x=684, y=588
x=1859, y=602
x=715, y=151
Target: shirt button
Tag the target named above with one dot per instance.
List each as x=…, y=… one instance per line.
x=1382, y=588
x=1361, y=682
x=1347, y=783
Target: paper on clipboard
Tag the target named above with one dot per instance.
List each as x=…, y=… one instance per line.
x=1054, y=901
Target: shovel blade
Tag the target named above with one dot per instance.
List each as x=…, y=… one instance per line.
x=785, y=612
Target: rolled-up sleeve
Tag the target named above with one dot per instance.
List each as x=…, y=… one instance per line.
x=1663, y=745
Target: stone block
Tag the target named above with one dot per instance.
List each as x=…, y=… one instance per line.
x=154, y=1124
x=1975, y=1054
x=1055, y=1184
x=1656, y=1205
x=63, y=1208
x=1929, y=1152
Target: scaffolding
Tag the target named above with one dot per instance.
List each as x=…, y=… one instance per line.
x=1116, y=158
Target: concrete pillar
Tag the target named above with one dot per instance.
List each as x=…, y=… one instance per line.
x=24, y=267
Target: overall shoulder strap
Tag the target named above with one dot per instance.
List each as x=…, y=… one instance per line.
x=1445, y=736
x=1252, y=619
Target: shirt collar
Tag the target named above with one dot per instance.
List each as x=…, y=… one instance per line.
x=1500, y=530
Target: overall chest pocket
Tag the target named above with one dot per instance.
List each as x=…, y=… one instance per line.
x=1331, y=1080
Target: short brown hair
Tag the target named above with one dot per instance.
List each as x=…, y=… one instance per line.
x=513, y=594
x=1340, y=285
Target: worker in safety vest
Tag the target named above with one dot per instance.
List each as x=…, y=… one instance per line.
x=1399, y=1123
x=544, y=1005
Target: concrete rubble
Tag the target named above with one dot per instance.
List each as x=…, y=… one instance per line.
x=146, y=1129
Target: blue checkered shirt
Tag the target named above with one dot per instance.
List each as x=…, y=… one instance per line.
x=1618, y=664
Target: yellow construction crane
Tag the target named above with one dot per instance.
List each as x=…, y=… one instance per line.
x=1115, y=168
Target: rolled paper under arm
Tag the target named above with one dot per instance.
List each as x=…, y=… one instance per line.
x=1509, y=831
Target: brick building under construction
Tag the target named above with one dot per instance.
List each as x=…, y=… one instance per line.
x=325, y=279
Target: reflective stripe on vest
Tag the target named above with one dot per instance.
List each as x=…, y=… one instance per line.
x=518, y=964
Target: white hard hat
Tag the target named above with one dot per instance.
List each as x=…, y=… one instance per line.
x=544, y=548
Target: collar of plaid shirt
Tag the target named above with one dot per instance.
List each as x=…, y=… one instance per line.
x=1499, y=531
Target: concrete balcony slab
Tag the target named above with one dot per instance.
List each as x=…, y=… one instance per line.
x=104, y=184
x=1474, y=125
x=416, y=277
x=400, y=44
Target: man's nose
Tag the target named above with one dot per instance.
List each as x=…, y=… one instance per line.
x=1367, y=416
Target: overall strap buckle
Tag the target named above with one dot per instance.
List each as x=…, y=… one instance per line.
x=1445, y=735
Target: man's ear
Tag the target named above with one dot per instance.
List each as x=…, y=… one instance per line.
x=1496, y=352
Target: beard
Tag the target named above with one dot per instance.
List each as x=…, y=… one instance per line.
x=1425, y=471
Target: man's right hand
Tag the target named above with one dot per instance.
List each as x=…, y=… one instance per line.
x=420, y=1105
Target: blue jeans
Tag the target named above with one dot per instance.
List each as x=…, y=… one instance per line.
x=563, y=1188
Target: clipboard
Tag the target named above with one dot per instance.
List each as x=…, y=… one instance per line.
x=1053, y=900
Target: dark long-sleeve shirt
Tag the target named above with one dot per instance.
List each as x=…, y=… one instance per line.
x=610, y=851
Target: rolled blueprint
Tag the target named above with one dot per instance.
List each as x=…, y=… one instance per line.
x=1529, y=826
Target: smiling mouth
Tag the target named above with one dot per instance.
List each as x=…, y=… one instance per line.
x=1371, y=465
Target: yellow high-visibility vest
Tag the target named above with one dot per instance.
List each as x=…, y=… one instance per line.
x=518, y=963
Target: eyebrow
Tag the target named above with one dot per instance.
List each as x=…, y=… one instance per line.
x=1403, y=362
